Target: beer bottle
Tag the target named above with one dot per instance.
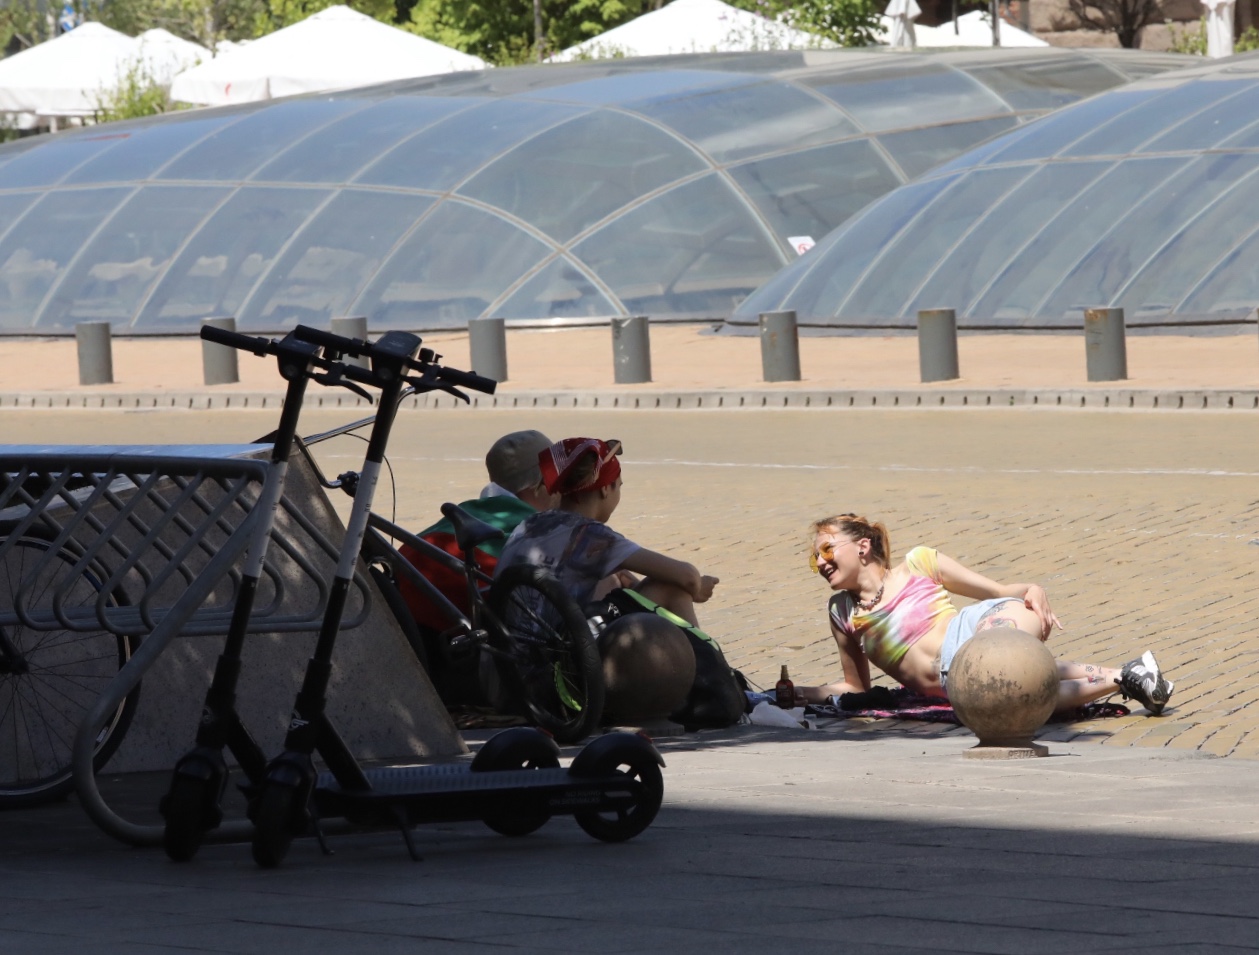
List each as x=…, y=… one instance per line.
x=785, y=691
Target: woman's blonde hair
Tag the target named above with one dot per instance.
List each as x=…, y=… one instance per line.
x=856, y=528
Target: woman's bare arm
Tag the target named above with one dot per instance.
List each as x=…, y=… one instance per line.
x=959, y=579
x=856, y=671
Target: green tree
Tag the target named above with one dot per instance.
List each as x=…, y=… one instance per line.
x=23, y=23
x=844, y=22
x=203, y=21
x=504, y=33
x=137, y=94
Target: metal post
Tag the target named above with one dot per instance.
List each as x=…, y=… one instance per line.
x=96, y=358
x=487, y=344
x=218, y=362
x=1105, y=349
x=937, y=344
x=352, y=327
x=780, y=346
x=995, y=9
x=631, y=350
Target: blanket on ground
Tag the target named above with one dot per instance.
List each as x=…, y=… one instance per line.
x=902, y=703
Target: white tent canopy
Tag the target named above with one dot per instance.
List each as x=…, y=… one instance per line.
x=974, y=29
x=165, y=55
x=336, y=48
x=693, y=26
x=66, y=76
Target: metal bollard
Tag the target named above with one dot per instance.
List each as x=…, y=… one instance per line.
x=96, y=357
x=1105, y=350
x=487, y=344
x=218, y=362
x=631, y=350
x=352, y=327
x=780, y=346
x=937, y=345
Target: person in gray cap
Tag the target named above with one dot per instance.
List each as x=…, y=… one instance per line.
x=512, y=464
x=515, y=492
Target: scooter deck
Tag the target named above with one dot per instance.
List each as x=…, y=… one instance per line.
x=454, y=793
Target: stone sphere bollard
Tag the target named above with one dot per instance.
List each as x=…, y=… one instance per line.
x=1003, y=685
x=648, y=667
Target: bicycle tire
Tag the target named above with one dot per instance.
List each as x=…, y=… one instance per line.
x=545, y=653
x=41, y=709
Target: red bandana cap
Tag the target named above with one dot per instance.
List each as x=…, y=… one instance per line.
x=559, y=464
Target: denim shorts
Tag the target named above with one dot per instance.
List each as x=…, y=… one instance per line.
x=961, y=628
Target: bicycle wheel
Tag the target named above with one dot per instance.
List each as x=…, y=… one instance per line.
x=49, y=679
x=546, y=653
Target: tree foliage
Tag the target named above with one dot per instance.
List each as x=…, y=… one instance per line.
x=137, y=94
x=844, y=22
x=1124, y=18
x=503, y=33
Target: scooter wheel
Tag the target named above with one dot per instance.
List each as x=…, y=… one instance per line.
x=273, y=824
x=184, y=808
x=522, y=749
x=638, y=767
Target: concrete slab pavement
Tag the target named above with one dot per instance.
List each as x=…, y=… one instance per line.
x=866, y=837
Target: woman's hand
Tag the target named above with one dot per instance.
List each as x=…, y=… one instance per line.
x=1037, y=601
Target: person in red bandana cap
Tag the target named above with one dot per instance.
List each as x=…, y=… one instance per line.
x=590, y=559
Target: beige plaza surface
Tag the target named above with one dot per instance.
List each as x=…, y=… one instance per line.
x=1142, y=525
x=691, y=357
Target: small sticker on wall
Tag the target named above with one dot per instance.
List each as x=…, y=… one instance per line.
x=801, y=243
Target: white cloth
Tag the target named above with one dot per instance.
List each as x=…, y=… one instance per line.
x=495, y=490
x=693, y=26
x=578, y=551
x=336, y=48
x=1219, y=27
x=766, y=714
x=902, y=13
x=66, y=76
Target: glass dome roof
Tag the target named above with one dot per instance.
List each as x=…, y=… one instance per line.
x=667, y=187
x=1144, y=198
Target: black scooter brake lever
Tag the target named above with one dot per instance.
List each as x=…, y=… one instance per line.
x=336, y=376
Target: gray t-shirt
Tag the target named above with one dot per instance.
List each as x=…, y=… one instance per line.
x=578, y=551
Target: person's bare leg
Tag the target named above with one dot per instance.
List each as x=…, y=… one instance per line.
x=671, y=597
x=1083, y=683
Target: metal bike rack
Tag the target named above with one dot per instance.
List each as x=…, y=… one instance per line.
x=164, y=532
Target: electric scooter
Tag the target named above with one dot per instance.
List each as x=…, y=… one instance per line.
x=193, y=805
x=613, y=787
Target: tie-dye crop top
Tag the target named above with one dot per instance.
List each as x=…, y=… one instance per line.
x=887, y=632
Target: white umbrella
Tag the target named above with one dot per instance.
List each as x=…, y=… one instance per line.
x=65, y=76
x=1219, y=28
x=165, y=55
x=693, y=26
x=975, y=29
x=336, y=48
x=902, y=13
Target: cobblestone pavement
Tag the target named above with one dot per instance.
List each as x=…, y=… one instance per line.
x=1144, y=527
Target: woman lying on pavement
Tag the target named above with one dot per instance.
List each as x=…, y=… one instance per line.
x=900, y=618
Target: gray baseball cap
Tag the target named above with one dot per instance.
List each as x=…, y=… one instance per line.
x=512, y=461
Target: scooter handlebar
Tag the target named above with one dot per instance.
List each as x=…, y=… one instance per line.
x=468, y=379
x=221, y=336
